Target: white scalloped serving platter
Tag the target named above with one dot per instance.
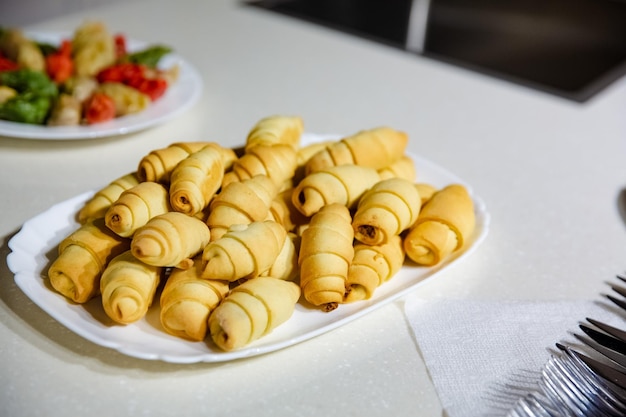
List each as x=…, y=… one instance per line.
x=34, y=247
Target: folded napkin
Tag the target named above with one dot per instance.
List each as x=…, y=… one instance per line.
x=483, y=356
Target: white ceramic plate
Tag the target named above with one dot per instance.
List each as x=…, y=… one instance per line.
x=178, y=98
x=34, y=248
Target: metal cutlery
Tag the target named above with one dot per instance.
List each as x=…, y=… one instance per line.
x=581, y=384
x=621, y=291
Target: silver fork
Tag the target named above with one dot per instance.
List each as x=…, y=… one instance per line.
x=575, y=384
x=609, y=341
x=569, y=387
x=620, y=290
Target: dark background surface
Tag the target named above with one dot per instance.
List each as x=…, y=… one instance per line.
x=571, y=48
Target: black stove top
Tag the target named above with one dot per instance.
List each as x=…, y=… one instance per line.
x=571, y=48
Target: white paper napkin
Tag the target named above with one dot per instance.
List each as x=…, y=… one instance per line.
x=484, y=355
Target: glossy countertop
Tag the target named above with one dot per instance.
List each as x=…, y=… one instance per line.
x=551, y=172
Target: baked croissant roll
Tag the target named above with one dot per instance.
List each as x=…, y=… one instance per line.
x=244, y=252
x=304, y=154
x=278, y=162
x=376, y=148
x=445, y=223
x=326, y=252
x=241, y=202
x=344, y=184
x=286, y=264
x=404, y=167
x=128, y=287
x=170, y=239
x=252, y=310
x=196, y=179
x=307, y=151
x=371, y=267
x=385, y=210
x=159, y=163
x=97, y=206
x=284, y=212
x=136, y=206
x=276, y=130
x=426, y=191
x=187, y=300
x=83, y=255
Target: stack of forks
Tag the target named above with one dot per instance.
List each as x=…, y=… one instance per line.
x=584, y=384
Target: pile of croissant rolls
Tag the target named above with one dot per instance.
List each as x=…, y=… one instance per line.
x=228, y=241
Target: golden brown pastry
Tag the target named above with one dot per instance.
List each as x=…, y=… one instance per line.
x=304, y=154
x=275, y=130
x=159, y=163
x=196, y=179
x=284, y=212
x=385, y=210
x=252, y=310
x=426, y=191
x=401, y=168
x=278, y=162
x=93, y=48
x=97, y=206
x=326, y=252
x=429, y=243
x=241, y=202
x=187, y=300
x=136, y=206
x=286, y=264
x=244, y=252
x=371, y=267
x=344, y=184
x=170, y=239
x=128, y=287
x=445, y=223
x=83, y=255
x=375, y=148
x=307, y=151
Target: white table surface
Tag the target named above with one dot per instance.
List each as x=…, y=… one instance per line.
x=551, y=172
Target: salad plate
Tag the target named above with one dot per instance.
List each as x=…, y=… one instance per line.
x=34, y=248
x=178, y=98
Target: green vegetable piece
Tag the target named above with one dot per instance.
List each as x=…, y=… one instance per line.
x=47, y=48
x=25, y=80
x=26, y=108
x=149, y=57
